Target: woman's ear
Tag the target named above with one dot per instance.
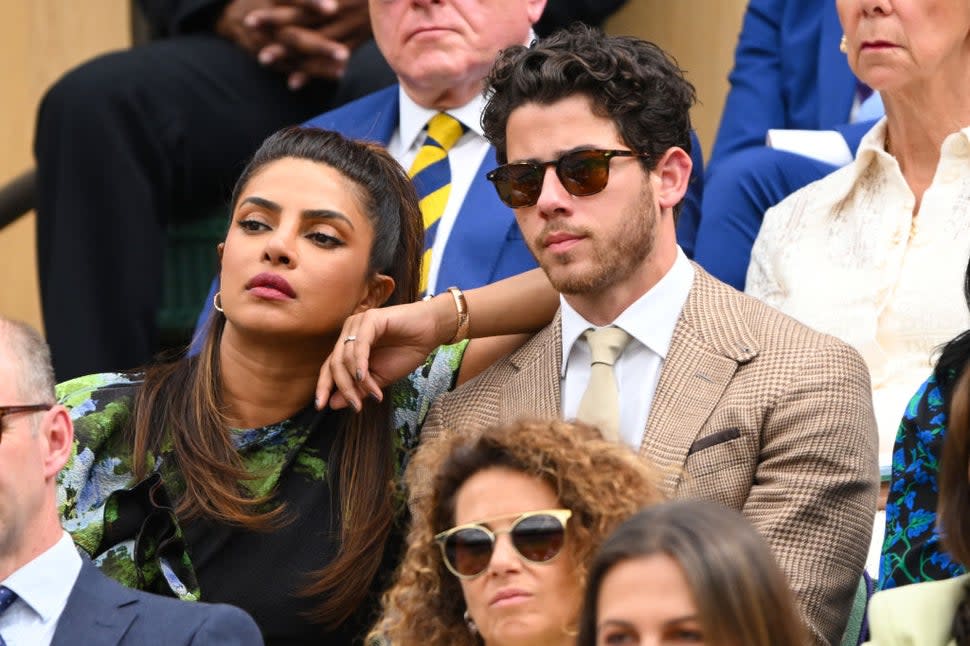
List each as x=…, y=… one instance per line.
x=379, y=289
x=220, y=248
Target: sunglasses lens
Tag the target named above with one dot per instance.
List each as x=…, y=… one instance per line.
x=538, y=538
x=584, y=172
x=469, y=551
x=518, y=185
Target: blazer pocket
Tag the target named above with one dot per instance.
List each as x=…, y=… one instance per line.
x=720, y=437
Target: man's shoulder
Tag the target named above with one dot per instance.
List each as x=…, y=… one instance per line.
x=723, y=315
x=154, y=616
x=350, y=114
x=480, y=396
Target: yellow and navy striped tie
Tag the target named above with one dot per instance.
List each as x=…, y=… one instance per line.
x=431, y=175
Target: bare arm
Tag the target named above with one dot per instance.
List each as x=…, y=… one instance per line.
x=390, y=342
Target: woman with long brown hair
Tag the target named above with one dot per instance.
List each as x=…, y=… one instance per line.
x=688, y=572
x=215, y=476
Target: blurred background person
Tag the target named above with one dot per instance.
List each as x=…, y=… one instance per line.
x=855, y=254
x=498, y=551
x=688, y=571
x=49, y=594
x=790, y=80
x=911, y=549
x=937, y=612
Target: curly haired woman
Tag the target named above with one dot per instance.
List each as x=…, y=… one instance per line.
x=498, y=552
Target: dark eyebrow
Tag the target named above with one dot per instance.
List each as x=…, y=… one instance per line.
x=264, y=203
x=327, y=214
x=309, y=214
x=615, y=622
x=677, y=620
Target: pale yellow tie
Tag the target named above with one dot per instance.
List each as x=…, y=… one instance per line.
x=600, y=404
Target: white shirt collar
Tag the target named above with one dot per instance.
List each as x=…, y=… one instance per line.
x=650, y=319
x=46, y=582
x=874, y=142
x=414, y=118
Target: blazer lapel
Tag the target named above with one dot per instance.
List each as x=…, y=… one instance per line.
x=98, y=611
x=533, y=391
x=705, y=351
x=478, y=237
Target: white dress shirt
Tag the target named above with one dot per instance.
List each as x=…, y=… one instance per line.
x=464, y=158
x=42, y=588
x=650, y=321
x=846, y=256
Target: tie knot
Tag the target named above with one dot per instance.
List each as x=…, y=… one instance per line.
x=606, y=344
x=7, y=597
x=445, y=130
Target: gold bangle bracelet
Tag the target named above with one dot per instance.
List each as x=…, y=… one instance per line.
x=461, y=310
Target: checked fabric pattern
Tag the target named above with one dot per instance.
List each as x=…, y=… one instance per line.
x=431, y=175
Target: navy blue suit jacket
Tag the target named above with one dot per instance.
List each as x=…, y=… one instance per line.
x=485, y=244
x=788, y=73
x=102, y=612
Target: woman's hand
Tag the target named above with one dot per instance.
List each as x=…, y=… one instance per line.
x=380, y=346
x=390, y=342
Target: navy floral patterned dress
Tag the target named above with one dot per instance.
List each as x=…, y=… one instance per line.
x=911, y=549
x=130, y=529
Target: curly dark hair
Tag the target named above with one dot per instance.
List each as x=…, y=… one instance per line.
x=631, y=81
x=601, y=482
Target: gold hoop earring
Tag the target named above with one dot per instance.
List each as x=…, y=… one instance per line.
x=844, y=45
x=217, y=301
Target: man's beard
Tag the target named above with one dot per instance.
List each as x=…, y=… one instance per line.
x=614, y=258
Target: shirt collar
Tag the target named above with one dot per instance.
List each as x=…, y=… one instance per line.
x=414, y=118
x=46, y=582
x=650, y=319
x=872, y=145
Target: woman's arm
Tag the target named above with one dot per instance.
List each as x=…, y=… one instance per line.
x=382, y=345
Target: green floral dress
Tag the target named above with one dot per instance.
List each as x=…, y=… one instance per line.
x=130, y=530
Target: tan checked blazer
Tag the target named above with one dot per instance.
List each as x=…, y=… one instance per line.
x=753, y=410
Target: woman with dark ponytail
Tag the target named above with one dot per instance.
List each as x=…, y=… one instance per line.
x=215, y=477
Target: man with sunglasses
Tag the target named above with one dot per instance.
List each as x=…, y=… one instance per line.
x=734, y=401
x=48, y=593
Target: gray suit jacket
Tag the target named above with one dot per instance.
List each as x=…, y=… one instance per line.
x=102, y=612
x=753, y=410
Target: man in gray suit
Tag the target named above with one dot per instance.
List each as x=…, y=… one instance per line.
x=48, y=594
x=732, y=400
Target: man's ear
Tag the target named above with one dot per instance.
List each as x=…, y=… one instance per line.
x=58, y=433
x=673, y=172
x=220, y=248
x=379, y=289
x=535, y=9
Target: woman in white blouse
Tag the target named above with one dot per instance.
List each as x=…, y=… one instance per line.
x=875, y=252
